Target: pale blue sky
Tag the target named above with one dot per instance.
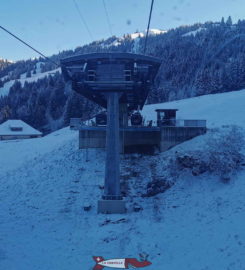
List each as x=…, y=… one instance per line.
x=54, y=25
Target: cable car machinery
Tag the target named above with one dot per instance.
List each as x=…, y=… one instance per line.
x=119, y=82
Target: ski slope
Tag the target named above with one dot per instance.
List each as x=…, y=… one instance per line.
x=135, y=37
x=4, y=91
x=197, y=224
x=218, y=109
x=193, y=33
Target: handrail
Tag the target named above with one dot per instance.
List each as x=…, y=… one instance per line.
x=76, y=123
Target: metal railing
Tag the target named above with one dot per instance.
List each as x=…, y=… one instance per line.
x=76, y=123
x=182, y=123
x=195, y=123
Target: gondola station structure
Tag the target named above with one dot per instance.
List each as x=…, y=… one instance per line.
x=120, y=83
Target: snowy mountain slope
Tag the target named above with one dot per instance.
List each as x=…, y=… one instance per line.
x=197, y=224
x=135, y=37
x=194, y=32
x=182, y=73
x=4, y=91
x=217, y=109
x=152, y=32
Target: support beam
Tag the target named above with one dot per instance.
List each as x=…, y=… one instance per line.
x=112, y=167
x=123, y=123
x=123, y=115
x=112, y=202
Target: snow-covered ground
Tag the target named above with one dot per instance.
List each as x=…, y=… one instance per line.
x=4, y=91
x=136, y=38
x=197, y=224
x=152, y=32
x=193, y=33
x=219, y=109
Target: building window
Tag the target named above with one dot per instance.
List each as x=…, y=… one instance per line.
x=127, y=75
x=12, y=128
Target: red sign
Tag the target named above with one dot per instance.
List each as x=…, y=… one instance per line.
x=119, y=263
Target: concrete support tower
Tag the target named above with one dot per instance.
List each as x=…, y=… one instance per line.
x=117, y=82
x=112, y=200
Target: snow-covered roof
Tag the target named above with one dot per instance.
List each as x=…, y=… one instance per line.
x=17, y=127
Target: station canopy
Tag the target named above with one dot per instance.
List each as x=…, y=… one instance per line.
x=93, y=75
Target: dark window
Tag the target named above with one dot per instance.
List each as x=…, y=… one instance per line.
x=16, y=128
x=127, y=75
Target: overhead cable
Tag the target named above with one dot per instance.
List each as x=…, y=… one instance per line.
x=83, y=20
x=148, y=26
x=28, y=45
x=107, y=18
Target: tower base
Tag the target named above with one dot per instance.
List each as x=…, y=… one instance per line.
x=111, y=207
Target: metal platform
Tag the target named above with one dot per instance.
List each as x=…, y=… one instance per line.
x=95, y=74
x=161, y=137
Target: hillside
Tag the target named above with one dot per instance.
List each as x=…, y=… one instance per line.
x=219, y=109
x=197, y=60
x=196, y=224
x=4, y=63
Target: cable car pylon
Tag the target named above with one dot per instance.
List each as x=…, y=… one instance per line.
x=119, y=82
